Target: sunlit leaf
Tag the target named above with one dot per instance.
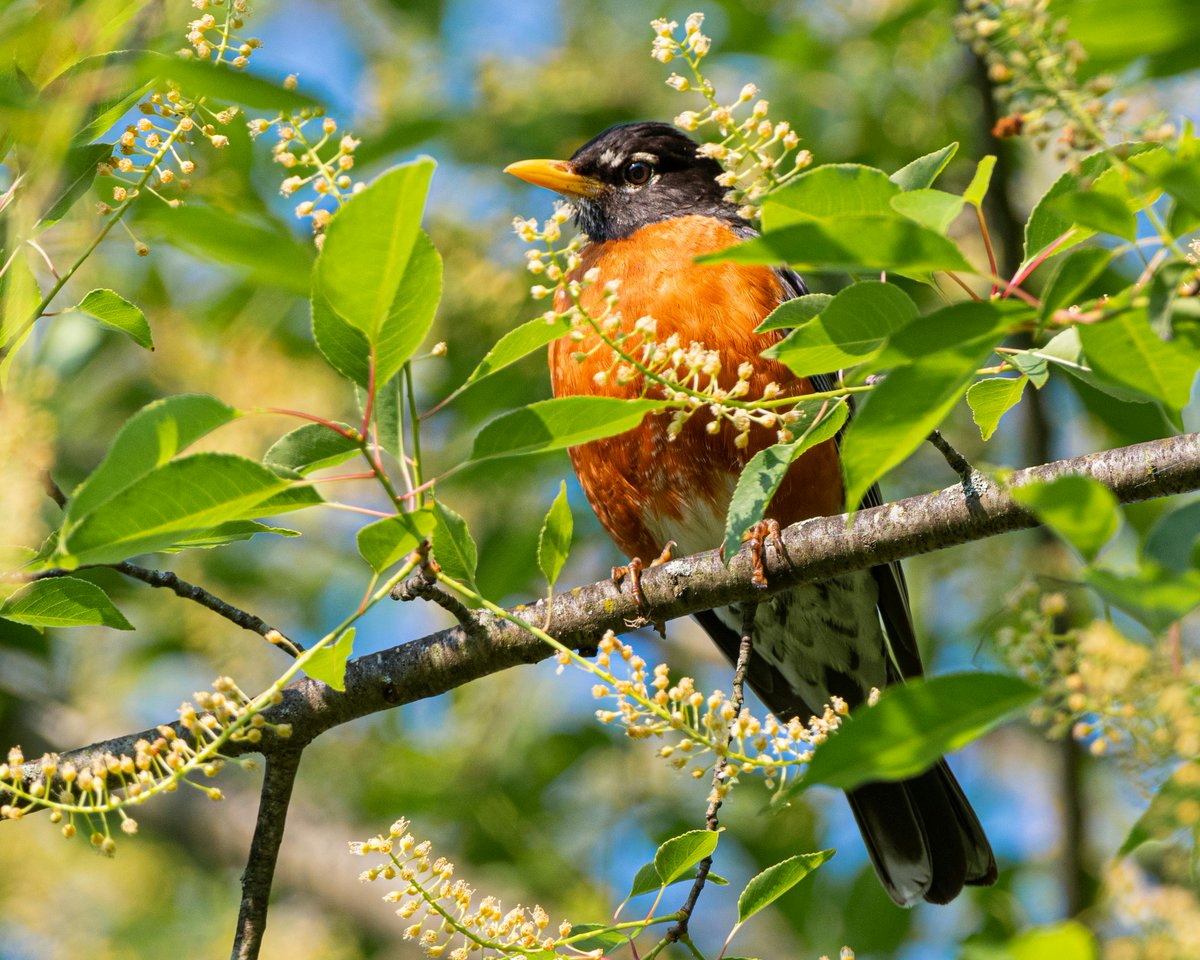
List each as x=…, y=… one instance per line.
x=554, y=541
x=390, y=540
x=978, y=187
x=792, y=313
x=677, y=856
x=922, y=172
x=1100, y=212
x=309, y=448
x=222, y=82
x=1125, y=350
x=832, y=190
x=63, y=602
x=559, y=423
x=1072, y=277
x=453, y=546
x=913, y=725
x=114, y=311
x=1079, y=509
x=77, y=171
x=329, y=663
x=647, y=880
x=991, y=399
x=934, y=209
x=768, y=886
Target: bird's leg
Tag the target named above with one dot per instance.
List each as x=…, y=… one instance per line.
x=757, y=538
x=634, y=569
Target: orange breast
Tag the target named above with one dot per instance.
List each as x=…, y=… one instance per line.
x=645, y=487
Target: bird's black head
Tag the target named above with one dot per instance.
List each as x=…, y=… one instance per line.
x=632, y=175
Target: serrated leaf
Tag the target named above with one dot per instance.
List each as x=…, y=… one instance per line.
x=148, y=439
x=559, y=423
x=1079, y=509
x=392, y=305
x=1126, y=351
x=328, y=664
x=114, y=311
x=1099, y=212
x=517, y=344
x=646, y=880
x=768, y=886
x=679, y=854
x=850, y=244
x=453, y=547
x=1164, y=816
x=792, y=313
x=761, y=477
x=1066, y=351
x=168, y=503
x=390, y=540
x=1072, y=277
x=1152, y=595
x=914, y=724
x=934, y=209
x=922, y=172
x=309, y=448
x=63, y=602
x=978, y=187
x=991, y=399
x=940, y=354
x=851, y=329
x=554, y=541
x=831, y=190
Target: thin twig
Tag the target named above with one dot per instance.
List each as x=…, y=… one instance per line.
x=680, y=929
x=423, y=584
x=278, y=779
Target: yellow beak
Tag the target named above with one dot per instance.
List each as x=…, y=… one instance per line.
x=556, y=175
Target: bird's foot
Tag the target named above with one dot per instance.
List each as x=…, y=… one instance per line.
x=757, y=538
x=634, y=569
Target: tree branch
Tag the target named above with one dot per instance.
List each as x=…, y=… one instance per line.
x=815, y=550
x=277, y=785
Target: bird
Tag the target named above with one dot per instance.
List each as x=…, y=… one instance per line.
x=649, y=202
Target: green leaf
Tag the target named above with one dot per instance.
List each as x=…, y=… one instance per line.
x=850, y=330
x=1066, y=351
x=774, y=882
x=114, y=311
x=1079, y=509
x=601, y=937
x=1162, y=818
x=328, y=664
x=679, y=854
x=232, y=531
x=1046, y=223
x=832, y=190
x=517, y=344
x=1161, y=36
x=1034, y=367
x=1072, y=277
x=19, y=297
x=345, y=348
x=647, y=880
x=390, y=415
x=167, y=504
x=991, y=399
x=1153, y=596
x=149, y=438
x=559, y=423
x=913, y=725
x=757, y=483
x=309, y=448
x=393, y=304
x=792, y=313
x=850, y=244
x=554, y=542
x=940, y=353
x=978, y=187
x=1182, y=181
x=264, y=249
x=453, y=547
x=1070, y=940
x=922, y=172
x=1126, y=351
x=220, y=81
x=63, y=602
x=1099, y=212
x=78, y=170
x=934, y=209
x=390, y=540
x=1172, y=541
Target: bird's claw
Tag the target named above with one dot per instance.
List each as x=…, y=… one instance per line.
x=634, y=569
x=756, y=538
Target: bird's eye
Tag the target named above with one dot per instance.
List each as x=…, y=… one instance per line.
x=638, y=173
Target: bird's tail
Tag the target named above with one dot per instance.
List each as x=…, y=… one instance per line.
x=923, y=837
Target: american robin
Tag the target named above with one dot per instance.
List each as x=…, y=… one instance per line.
x=650, y=204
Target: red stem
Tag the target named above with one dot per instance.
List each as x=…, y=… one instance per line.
x=1036, y=262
